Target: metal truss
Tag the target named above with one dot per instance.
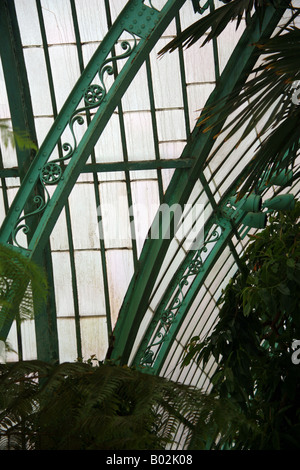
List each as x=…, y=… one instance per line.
x=129, y=42
x=164, y=325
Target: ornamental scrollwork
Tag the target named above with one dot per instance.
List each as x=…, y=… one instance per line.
x=169, y=314
x=51, y=172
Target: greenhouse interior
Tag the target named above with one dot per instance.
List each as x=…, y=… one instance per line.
x=149, y=232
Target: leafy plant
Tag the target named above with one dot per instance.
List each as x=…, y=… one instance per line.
x=78, y=406
x=265, y=101
x=17, y=138
x=252, y=342
x=23, y=286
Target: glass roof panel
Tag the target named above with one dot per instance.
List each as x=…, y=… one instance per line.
x=98, y=239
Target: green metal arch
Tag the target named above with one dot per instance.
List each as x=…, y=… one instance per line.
x=198, y=147
x=144, y=25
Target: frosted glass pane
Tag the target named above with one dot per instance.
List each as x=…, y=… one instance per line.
x=197, y=97
x=171, y=125
x=119, y=271
x=133, y=101
x=42, y=127
x=166, y=78
x=67, y=340
x=91, y=19
x=171, y=149
x=115, y=215
x=65, y=71
x=12, y=340
x=58, y=21
x=59, y=235
x=88, y=51
x=2, y=207
x=63, y=284
x=169, y=266
x=145, y=205
x=199, y=63
x=94, y=338
x=227, y=42
x=83, y=210
x=89, y=283
x=139, y=137
x=28, y=340
x=109, y=145
x=166, y=177
x=28, y=22
x=38, y=81
x=116, y=7
x=9, y=155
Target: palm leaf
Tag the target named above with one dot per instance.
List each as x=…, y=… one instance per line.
x=217, y=20
x=264, y=103
x=23, y=285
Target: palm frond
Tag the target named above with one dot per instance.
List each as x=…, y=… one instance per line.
x=264, y=104
x=23, y=285
x=213, y=24
x=78, y=406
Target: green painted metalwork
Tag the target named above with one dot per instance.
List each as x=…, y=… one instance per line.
x=199, y=146
x=219, y=239
x=142, y=26
x=157, y=164
x=22, y=120
x=189, y=276
x=94, y=95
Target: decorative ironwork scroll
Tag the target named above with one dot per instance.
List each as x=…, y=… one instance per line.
x=170, y=312
x=51, y=172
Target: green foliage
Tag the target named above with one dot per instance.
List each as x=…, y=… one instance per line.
x=263, y=101
x=20, y=278
x=78, y=406
x=17, y=138
x=252, y=342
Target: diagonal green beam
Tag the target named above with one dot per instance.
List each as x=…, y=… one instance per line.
x=129, y=20
x=18, y=92
x=199, y=146
x=146, y=25
x=192, y=272
x=213, y=256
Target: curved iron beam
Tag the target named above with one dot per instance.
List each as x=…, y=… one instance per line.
x=199, y=146
x=144, y=25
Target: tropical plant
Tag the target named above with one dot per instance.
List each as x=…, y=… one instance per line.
x=23, y=286
x=81, y=406
x=268, y=100
x=15, y=137
x=252, y=343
